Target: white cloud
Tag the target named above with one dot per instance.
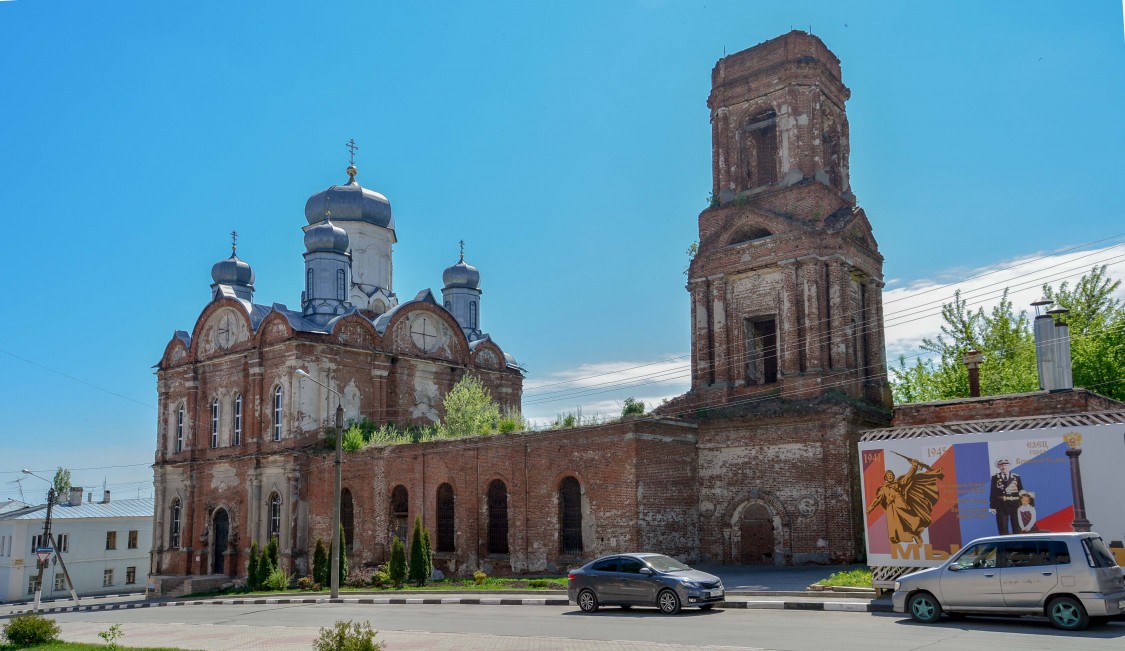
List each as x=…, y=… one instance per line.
x=600, y=389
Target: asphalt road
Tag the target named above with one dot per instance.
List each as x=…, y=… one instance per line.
x=549, y=628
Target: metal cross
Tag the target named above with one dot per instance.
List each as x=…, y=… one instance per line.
x=353, y=149
x=233, y=241
x=462, y=250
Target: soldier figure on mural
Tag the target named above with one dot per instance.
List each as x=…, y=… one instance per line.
x=908, y=500
x=1004, y=499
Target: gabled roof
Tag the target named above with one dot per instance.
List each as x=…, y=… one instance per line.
x=134, y=508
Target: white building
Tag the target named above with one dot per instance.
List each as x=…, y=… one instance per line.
x=105, y=546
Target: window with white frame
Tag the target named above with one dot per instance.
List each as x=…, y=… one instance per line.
x=215, y=423
x=32, y=584
x=107, y=578
x=60, y=581
x=236, y=438
x=278, y=403
x=180, y=429
x=275, y=515
x=174, y=524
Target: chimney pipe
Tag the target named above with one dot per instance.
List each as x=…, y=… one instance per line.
x=972, y=360
x=90, y=497
x=75, y=496
x=1064, y=376
x=1045, y=350
x=105, y=499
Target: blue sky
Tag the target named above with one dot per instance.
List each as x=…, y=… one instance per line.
x=568, y=143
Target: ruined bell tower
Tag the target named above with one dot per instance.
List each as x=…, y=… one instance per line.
x=786, y=287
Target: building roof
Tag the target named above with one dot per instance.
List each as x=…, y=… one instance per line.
x=8, y=506
x=135, y=508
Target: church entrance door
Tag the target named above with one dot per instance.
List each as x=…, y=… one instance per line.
x=756, y=546
x=221, y=529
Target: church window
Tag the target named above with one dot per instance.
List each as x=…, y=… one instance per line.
x=275, y=516
x=180, y=429
x=570, y=516
x=215, y=423
x=449, y=305
x=174, y=524
x=341, y=291
x=347, y=519
x=400, y=511
x=473, y=315
x=749, y=234
x=758, y=150
x=445, y=519
x=236, y=438
x=497, y=517
x=278, y=403
x=309, y=284
x=760, y=336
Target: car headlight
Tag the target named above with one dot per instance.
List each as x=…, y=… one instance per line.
x=691, y=584
x=898, y=585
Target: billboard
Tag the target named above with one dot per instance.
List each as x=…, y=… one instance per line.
x=927, y=496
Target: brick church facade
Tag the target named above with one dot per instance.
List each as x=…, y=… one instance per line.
x=755, y=464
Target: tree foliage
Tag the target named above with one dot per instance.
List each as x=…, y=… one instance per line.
x=321, y=567
x=633, y=407
x=253, y=568
x=343, y=557
x=61, y=484
x=1005, y=336
x=420, y=562
x=396, y=568
x=469, y=409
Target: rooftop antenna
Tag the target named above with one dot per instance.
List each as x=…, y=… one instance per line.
x=19, y=485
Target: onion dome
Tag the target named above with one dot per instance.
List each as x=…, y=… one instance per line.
x=327, y=237
x=461, y=274
x=350, y=202
x=232, y=271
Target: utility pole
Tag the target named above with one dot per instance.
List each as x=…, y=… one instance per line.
x=46, y=541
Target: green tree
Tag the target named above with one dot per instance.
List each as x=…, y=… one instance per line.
x=469, y=409
x=396, y=569
x=353, y=439
x=62, y=485
x=343, y=557
x=427, y=553
x=253, y=568
x=633, y=407
x=1005, y=336
x=417, y=574
x=269, y=561
x=321, y=566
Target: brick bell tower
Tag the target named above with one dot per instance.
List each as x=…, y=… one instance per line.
x=786, y=287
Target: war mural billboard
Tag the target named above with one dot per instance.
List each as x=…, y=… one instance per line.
x=927, y=496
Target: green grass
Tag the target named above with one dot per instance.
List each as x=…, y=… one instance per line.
x=75, y=646
x=850, y=579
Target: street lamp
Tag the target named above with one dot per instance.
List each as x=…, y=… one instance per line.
x=337, y=546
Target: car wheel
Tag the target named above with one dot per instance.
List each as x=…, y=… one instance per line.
x=588, y=601
x=668, y=602
x=924, y=608
x=1068, y=614
x=707, y=606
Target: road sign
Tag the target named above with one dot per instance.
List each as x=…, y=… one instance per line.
x=43, y=553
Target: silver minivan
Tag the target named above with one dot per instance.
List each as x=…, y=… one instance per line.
x=1071, y=578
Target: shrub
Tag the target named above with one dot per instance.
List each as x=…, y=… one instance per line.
x=30, y=630
x=343, y=558
x=271, y=555
x=359, y=578
x=277, y=580
x=418, y=573
x=633, y=407
x=397, y=569
x=253, y=573
x=428, y=553
x=320, y=568
x=111, y=636
x=537, y=583
x=307, y=584
x=347, y=636
x=479, y=577
x=353, y=439
x=380, y=577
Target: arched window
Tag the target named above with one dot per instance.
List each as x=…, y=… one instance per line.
x=174, y=524
x=180, y=429
x=497, y=517
x=341, y=291
x=445, y=519
x=758, y=155
x=347, y=519
x=278, y=403
x=473, y=315
x=400, y=512
x=570, y=516
x=309, y=284
x=236, y=434
x=275, y=516
x=215, y=423
x=449, y=306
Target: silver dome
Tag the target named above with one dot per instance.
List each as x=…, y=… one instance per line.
x=232, y=271
x=461, y=275
x=350, y=202
x=326, y=236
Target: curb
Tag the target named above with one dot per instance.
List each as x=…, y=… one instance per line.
x=835, y=606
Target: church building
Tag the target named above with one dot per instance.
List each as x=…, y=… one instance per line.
x=755, y=464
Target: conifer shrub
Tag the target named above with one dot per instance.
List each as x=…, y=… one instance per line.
x=428, y=553
x=347, y=636
x=31, y=629
x=396, y=570
x=321, y=567
x=418, y=573
x=343, y=558
x=253, y=572
x=271, y=555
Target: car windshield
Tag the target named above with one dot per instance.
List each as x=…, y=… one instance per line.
x=665, y=564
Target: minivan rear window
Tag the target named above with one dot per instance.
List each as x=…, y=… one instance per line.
x=1097, y=554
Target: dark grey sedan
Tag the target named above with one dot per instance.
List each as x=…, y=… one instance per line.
x=628, y=580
